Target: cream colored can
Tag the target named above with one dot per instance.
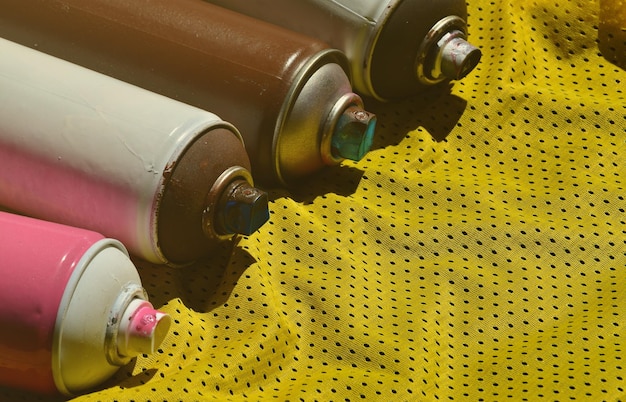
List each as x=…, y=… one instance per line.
x=77, y=147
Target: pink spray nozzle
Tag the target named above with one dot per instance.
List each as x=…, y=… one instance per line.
x=142, y=329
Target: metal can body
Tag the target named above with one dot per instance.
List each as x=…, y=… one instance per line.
x=382, y=39
x=61, y=287
x=248, y=72
x=83, y=149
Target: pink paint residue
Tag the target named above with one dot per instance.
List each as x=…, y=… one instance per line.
x=144, y=321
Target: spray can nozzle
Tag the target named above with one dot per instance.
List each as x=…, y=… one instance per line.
x=142, y=329
x=354, y=133
x=244, y=208
x=234, y=205
x=457, y=56
x=445, y=53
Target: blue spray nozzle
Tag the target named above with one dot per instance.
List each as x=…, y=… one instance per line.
x=246, y=210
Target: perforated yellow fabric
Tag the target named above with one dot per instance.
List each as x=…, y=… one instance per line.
x=478, y=253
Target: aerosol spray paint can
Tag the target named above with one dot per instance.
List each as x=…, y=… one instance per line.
x=396, y=47
x=72, y=308
x=77, y=147
x=290, y=95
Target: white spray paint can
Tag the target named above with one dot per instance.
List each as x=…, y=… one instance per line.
x=168, y=180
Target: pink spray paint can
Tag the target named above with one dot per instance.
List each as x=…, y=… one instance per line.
x=72, y=307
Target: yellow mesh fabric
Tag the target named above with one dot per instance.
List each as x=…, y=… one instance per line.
x=477, y=253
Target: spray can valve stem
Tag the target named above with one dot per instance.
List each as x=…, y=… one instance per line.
x=354, y=133
x=142, y=329
x=244, y=208
x=458, y=57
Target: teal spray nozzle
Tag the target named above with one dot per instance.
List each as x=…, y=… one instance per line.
x=354, y=133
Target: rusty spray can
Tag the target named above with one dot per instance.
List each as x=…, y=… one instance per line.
x=72, y=307
x=289, y=95
x=168, y=180
x=396, y=47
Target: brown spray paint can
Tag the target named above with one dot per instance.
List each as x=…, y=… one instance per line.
x=396, y=48
x=288, y=94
